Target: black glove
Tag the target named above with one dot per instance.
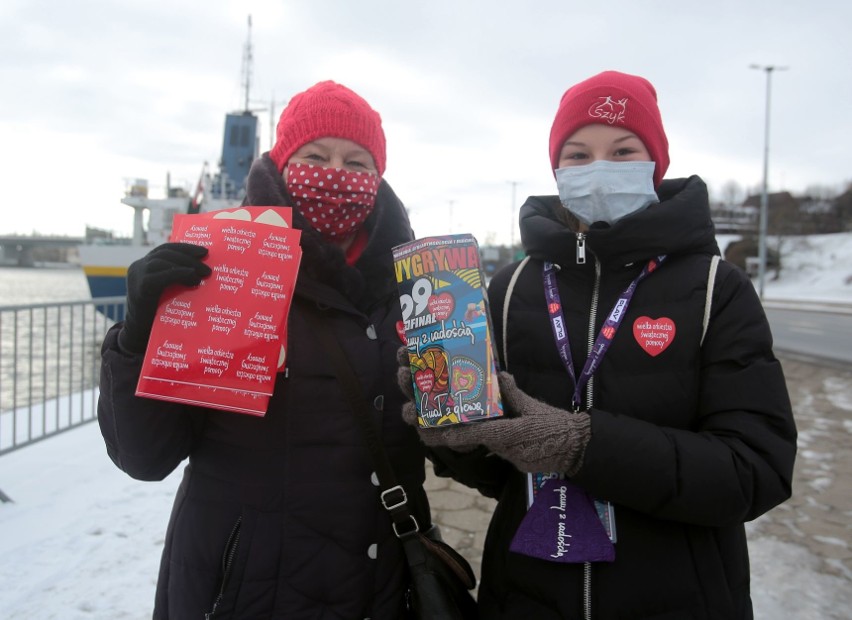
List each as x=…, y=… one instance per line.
x=147, y=278
x=532, y=435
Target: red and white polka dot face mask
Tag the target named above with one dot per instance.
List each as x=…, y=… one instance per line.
x=333, y=200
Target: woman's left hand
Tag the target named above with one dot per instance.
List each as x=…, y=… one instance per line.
x=533, y=435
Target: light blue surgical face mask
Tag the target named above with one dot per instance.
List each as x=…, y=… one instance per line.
x=606, y=191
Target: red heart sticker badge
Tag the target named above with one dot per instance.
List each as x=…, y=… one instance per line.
x=425, y=380
x=441, y=306
x=654, y=335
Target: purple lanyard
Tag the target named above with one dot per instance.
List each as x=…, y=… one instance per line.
x=605, y=336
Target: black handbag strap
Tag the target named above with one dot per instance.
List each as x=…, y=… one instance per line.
x=393, y=496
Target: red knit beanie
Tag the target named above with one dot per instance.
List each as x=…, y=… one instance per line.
x=328, y=110
x=618, y=99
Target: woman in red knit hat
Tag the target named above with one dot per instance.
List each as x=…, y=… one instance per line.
x=647, y=416
x=279, y=517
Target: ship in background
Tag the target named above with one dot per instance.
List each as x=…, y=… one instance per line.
x=105, y=260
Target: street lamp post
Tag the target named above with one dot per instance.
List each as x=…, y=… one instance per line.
x=514, y=185
x=764, y=196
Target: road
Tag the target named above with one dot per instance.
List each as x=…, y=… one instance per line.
x=812, y=334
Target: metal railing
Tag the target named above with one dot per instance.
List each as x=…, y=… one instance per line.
x=49, y=367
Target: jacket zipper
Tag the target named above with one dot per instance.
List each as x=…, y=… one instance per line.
x=593, y=313
x=593, y=316
x=227, y=564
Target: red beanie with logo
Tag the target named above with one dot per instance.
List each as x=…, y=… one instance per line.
x=617, y=99
x=328, y=110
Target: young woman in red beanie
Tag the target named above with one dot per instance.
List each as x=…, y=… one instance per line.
x=279, y=517
x=647, y=417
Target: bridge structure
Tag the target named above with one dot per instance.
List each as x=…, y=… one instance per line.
x=22, y=250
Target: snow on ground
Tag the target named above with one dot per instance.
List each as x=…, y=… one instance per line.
x=82, y=539
x=785, y=584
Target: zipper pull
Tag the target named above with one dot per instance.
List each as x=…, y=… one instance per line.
x=581, y=249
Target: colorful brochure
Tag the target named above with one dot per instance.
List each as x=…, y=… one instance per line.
x=220, y=344
x=448, y=330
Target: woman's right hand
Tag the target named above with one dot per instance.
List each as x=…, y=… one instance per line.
x=403, y=379
x=147, y=278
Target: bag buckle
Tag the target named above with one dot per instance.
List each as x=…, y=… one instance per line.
x=413, y=530
x=394, y=498
x=396, y=502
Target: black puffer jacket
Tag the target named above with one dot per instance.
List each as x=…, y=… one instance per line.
x=687, y=444
x=291, y=494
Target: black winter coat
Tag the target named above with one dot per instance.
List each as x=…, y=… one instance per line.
x=288, y=500
x=687, y=444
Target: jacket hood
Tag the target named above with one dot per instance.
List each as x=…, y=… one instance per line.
x=679, y=224
x=371, y=277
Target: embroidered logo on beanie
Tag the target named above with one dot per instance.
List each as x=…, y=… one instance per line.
x=610, y=111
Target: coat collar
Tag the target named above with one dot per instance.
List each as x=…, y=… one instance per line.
x=679, y=224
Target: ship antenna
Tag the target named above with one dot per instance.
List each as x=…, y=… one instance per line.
x=247, y=61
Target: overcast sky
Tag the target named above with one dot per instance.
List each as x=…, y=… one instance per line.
x=98, y=92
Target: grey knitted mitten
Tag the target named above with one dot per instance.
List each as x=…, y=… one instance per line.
x=532, y=435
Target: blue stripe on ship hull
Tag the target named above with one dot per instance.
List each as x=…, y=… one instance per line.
x=108, y=286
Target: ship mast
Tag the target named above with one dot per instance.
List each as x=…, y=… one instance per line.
x=246, y=68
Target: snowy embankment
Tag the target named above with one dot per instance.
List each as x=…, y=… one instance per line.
x=813, y=268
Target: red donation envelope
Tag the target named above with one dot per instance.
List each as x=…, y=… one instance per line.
x=220, y=344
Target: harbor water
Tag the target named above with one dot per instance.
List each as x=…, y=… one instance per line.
x=21, y=285
x=50, y=337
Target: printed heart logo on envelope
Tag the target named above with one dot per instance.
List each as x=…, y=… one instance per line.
x=654, y=335
x=425, y=380
x=442, y=306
